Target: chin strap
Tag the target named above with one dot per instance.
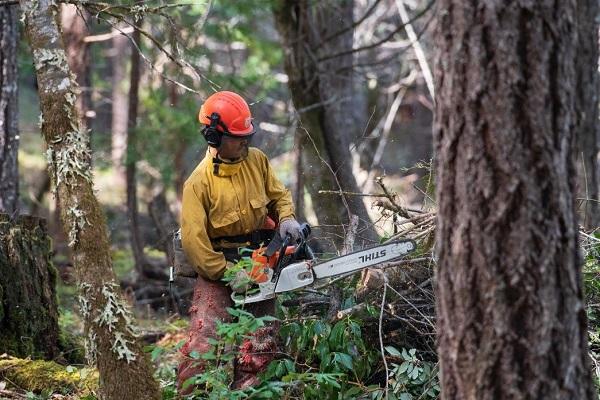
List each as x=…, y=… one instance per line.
x=218, y=161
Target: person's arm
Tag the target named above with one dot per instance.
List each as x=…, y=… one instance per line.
x=194, y=238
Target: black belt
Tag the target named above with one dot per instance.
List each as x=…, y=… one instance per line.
x=254, y=238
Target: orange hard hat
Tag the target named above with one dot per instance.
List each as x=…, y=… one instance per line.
x=234, y=117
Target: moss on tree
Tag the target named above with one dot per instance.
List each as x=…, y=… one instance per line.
x=28, y=306
x=38, y=375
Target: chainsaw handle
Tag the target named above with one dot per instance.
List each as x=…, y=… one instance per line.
x=284, y=245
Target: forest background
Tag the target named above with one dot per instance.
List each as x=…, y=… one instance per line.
x=343, y=95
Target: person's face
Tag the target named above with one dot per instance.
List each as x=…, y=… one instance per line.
x=233, y=148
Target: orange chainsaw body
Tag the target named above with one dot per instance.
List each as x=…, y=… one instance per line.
x=261, y=262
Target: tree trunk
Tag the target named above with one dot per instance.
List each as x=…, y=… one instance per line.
x=165, y=223
x=132, y=156
x=9, y=135
x=119, y=106
x=28, y=309
x=326, y=121
x=587, y=109
x=512, y=322
x=109, y=332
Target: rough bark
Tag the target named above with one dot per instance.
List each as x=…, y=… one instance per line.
x=587, y=110
x=28, y=308
x=326, y=122
x=132, y=156
x=511, y=318
x=9, y=136
x=109, y=331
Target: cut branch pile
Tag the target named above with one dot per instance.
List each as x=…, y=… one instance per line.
x=407, y=314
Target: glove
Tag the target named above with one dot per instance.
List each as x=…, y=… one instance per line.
x=290, y=226
x=241, y=283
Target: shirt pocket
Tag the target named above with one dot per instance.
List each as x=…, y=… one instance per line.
x=224, y=207
x=220, y=218
x=259, y=209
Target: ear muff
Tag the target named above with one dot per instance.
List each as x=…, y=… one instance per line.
x=211, y=133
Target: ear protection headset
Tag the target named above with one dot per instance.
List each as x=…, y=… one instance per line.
x=211, y=133
x=213, y=136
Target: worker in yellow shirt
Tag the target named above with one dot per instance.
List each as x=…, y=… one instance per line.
x=231, y=200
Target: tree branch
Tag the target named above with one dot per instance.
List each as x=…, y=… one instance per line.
x=385, y=39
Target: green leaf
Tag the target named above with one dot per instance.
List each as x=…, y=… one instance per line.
x=188, y=382
x=343, y=359
x=403, y=367
x=269, y=318
x=180, y=344
x=393, y=351
x=156, y=352
x=405, y=355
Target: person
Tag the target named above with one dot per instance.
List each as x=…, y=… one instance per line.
x=232, y=199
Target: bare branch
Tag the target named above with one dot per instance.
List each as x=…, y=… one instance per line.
x=385, y=39
x=352, y=26
x=417, y=46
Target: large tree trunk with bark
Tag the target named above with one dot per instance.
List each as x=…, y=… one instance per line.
x=511, y=317
x=109, y=331
x=28, y=309
x=9, y=138
x=587, y=110
x=321, y=91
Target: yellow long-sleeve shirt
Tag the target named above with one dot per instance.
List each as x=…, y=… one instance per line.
x=235, y=201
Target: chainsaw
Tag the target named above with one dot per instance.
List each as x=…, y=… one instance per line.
x=284, y=266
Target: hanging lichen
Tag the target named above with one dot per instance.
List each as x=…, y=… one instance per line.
x=91, y=347
x=120, y=347
x=27, y=9
x=50, y=57
x=84, y=302
x=138, y=11
x=77, y=221
x=70, y=158
x=109, y=316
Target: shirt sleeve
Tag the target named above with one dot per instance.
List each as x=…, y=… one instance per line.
x=281, y=198
x=194, y=237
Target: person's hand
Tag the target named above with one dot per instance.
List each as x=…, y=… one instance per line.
x=241, y=282
x=290, y=226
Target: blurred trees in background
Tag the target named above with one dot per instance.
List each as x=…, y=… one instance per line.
x=318, y=42
x=9, y=134
x=361, y=93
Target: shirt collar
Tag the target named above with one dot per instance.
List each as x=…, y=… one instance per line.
x=222, y=169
